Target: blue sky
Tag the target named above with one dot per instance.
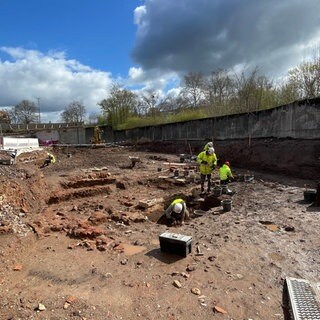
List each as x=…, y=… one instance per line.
x=75, y=50
x=97, y=33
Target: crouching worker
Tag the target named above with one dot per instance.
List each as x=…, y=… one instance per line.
x=49, y=159
x=177, y=212
x=225, y=173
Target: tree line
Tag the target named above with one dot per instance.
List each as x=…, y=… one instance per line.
x=220, y=93
x=27, y=112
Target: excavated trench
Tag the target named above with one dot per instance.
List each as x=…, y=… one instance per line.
x=89, y=185
x=83, y=183
x=97, y=183
x=76, y=194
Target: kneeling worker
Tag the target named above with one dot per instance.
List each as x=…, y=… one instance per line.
x=49, y=159
x=225, y=173
x=177, y=212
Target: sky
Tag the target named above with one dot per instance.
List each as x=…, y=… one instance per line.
x=54, y=52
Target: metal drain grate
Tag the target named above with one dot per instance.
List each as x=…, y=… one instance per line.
x=303, y=300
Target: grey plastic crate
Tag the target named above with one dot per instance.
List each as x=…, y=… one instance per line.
x=175, y=243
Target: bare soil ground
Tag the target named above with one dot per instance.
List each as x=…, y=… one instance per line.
x=80, y=240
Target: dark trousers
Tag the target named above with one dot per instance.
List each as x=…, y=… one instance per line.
x=224, y=182
x=46, y=163
x=203, y=178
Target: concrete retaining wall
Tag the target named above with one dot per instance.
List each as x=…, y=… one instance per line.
x=72, y=135
x=300, y=120
x=48, y=135
x=18, y=143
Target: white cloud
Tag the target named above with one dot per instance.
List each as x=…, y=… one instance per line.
x=155, y=80
x=135, y=73
x=139, y=14
x=56, y=80
x=174, y=92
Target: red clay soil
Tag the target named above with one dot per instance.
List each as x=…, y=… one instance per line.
x=80, y=240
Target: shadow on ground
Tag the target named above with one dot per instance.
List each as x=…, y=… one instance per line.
x=167, y=258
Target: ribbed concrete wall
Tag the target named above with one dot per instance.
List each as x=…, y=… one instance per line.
x=72, y=135
x=300, y=120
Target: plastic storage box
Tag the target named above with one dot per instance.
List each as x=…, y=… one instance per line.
x=175, y=243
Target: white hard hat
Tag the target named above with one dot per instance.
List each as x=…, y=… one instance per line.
x=210, y=144
x=177, y=208
x=211, y=151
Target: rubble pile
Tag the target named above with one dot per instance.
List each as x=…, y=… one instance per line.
x=11, y=219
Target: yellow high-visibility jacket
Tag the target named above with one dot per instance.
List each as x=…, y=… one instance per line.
x=206, y=168
x=170, y=208
x=52, y=158
x=225, y=172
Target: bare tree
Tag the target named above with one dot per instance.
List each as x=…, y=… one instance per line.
x=193, y=89
x=253, y=91
x=24, y=112
x=306, y=78
x=74, y=113
x=148, y=103
x=168, y=104
x=218, y=89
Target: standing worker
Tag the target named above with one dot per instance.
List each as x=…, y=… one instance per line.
x=207, y=161
x=208, y=145
x=177, y=212
x=225, y=173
